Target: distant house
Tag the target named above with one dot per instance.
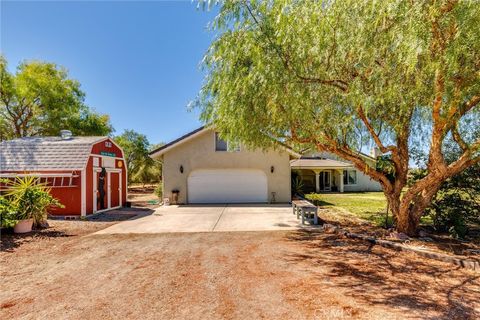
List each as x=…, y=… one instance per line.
x=86, y=174
x=203, y=168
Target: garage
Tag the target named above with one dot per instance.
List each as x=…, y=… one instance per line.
x=227, y=186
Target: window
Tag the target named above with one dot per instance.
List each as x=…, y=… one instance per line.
x=222, y=145
x=349, y=177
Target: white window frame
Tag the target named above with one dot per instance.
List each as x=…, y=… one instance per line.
x=215, y=135
x=356, y=177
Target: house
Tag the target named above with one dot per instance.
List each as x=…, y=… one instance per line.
x=326, y=172
x=200, y=167
x=86, y=174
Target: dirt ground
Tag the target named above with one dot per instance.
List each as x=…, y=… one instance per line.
x=237, y=275
x=433, y=241
x=143, y=196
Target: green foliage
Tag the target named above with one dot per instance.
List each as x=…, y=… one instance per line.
x=457, y=204
x=30, y=199
x=384, y=164
x=297, y=185
x=279, y=64
x=452, y=210
x=7, y=213
x=159, y=191
x=40, y=99
x=149, y=171
x=141, y=167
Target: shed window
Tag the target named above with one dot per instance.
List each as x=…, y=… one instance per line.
x=349, y=177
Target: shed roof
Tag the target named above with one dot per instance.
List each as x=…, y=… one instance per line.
x=318, y=163
x=46, y=153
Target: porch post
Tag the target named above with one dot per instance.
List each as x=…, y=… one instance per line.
x=341, y=181
x=317, y=181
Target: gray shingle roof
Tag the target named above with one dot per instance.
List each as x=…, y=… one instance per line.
x=319, y=163
x=46, y=153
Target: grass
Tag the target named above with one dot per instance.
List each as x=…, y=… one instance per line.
x=369, y=206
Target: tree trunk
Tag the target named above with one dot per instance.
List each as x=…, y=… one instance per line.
x=414, y=203
x=408, y=221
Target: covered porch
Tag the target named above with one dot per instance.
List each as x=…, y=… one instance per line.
x=320, y=175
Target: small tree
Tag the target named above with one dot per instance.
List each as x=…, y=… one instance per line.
x=332, y=75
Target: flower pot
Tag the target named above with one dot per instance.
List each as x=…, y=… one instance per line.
x=23, y=226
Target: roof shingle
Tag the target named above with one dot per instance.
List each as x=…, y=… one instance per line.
x=46, y=153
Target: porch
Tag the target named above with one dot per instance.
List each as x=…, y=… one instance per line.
x=320, y=175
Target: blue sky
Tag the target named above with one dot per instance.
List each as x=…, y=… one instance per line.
x=137, y=61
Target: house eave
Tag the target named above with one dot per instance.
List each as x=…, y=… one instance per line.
x=156, y=154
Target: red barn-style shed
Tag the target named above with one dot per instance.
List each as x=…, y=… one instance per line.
x=86, y=174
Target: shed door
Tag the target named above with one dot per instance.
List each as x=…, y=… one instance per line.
x=114, y=189
x=227, y=186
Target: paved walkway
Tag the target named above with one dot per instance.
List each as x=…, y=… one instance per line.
x=211, y=218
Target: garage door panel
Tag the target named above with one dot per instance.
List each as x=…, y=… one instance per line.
x=227, y=186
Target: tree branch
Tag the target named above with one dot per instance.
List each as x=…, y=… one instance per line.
x=372, y=132
x=458, y=138
x=358, y=161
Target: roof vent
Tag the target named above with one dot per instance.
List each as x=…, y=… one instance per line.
x=66, y=134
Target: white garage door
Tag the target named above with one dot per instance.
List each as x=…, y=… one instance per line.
x=227, y=186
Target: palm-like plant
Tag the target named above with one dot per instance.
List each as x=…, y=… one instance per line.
x=297, y=185
x=30, y=198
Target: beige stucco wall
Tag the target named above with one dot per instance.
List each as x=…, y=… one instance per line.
x=199, y=153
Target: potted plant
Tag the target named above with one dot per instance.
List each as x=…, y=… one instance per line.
x=31, y=200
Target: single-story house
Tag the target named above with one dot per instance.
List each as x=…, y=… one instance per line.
x=86, y=174
x=200, y=167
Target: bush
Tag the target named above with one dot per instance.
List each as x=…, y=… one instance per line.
x=452, y=210
x=159, y=191
x=7, y=213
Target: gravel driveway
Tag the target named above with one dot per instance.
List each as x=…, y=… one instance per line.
x=231, y=275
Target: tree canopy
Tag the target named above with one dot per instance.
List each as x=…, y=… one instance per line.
x=41, y=99
x=333, y=75
x=136, y=148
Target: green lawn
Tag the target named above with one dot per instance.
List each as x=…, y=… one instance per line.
x=370, y=206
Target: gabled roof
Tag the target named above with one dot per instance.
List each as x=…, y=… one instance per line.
x=186, y=137
x=46, y=153
x=161, y=150
x=319, y=163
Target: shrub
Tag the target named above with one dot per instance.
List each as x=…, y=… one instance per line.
x=31, y=199
x=452, y=210
x=297, y=185
x=159, y=191
x=7, y=213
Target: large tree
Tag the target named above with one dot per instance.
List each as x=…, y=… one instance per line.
x=40, y=99
x=327, y=74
